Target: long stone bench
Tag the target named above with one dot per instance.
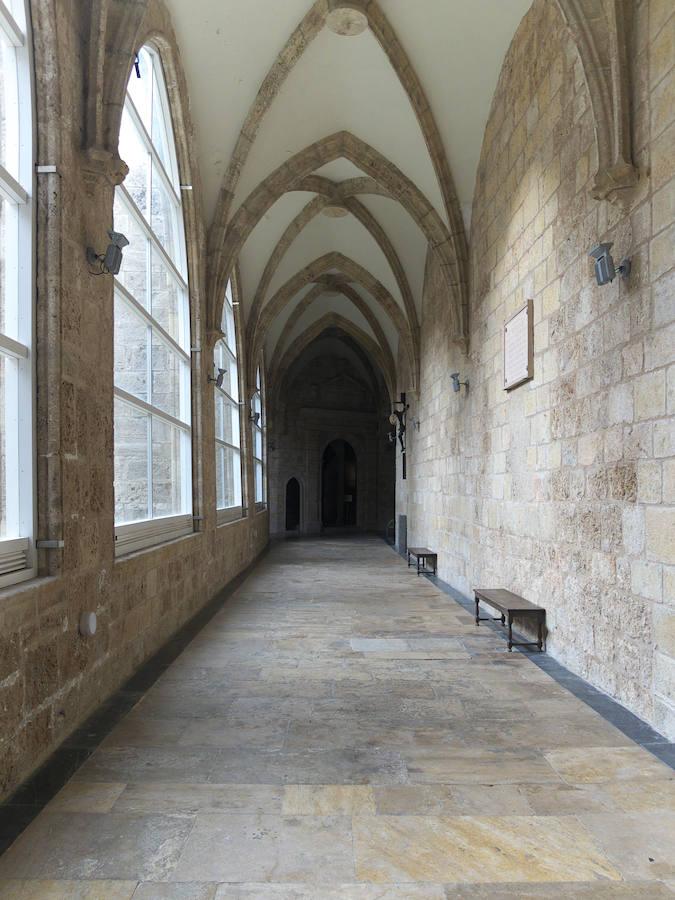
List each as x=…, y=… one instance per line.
x=510, y=605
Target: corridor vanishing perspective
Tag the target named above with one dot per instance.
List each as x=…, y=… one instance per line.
x=341, y=729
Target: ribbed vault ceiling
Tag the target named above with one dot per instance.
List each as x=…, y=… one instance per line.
x=408, y=98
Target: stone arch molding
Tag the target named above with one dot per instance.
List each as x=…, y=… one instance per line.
x=331, y=193
x=403, y=69
x=600, y=32
x=354, y=272
x=282, y=364
x=338, y=284
x=345, y=145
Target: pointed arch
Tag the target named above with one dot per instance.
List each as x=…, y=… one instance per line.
x=302, y=220
x=359, y=303
x=356, y=273
x=331, y=320
x=401, y=188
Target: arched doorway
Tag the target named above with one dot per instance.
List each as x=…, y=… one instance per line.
x=338, y=485
x=292, y=504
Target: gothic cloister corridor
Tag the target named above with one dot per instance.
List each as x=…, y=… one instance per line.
x=341, y=729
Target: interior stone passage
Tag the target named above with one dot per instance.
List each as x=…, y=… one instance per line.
x=341, y=729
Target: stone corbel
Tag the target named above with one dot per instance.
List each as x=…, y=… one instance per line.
x=600, y=30
x=110, y=36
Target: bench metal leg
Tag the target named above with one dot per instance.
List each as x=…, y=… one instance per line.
x=418, y=566
x=510, y=633
x=503, y=620
x=477, y=615
x=541, y=634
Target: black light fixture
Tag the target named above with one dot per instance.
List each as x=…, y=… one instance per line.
x=398, y=420
x=457, y=384
x=109, y=262
x=605, y=270
x=218, y=380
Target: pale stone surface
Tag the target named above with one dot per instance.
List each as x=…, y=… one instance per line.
x=524, y=489
x=407, y=848
x=398, y=778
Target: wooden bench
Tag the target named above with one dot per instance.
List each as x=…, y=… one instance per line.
x=422, y=554
x=510, y=605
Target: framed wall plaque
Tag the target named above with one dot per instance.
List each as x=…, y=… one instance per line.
x=519, y=347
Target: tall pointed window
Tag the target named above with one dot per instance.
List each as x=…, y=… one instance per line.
x=153, y=470
x=258, y=425
x=17, y=555
x=228, y=432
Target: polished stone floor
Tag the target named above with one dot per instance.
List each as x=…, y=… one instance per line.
x=340, y=730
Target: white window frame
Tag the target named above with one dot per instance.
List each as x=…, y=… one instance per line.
x=225, y=514
x=143, y=534
x=258, y=429
x=18, y=561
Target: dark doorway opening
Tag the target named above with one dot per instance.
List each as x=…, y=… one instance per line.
x=338, y=485
x=292, y=504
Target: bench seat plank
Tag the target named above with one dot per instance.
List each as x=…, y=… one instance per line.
x=509, y=605
x=507, y=600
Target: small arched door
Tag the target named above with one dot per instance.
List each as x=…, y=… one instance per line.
x=338, y=485
x=292, y=504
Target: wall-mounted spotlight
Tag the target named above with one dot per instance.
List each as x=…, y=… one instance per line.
x=218, y=380
x=605, y=270
x=255, y=417
x=457, y=384
x=109, y=262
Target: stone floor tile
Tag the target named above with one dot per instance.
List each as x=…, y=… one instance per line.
x=67, y=890
x=193, y=798
x=479, y=767
x=598, y=764
x=82, y=797
x=328, y=800
x=268, y=848
x=641, y=845
x=149, y=890
x=91, y=846
x=452, y=800
x=635, y=890
x=330, y=892
x=475, y=849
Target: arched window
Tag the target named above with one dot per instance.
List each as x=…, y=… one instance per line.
x=228, y=433
x=17, y=554
x=258, y=424
x=153, y=455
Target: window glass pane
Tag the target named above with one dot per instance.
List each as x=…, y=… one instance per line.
x=9, y=252
x=168, y=371
x=257, y=443
x=9, y=108
x=131, y=351
x=259, y=496
x=228, y=477
x=136, y=155
x=164, y=218
x=162, y=133
x=228, y=328
x=169, y=468
x=227, y=421
x=9, y=447
x=140, y=89
x=134, y=272
x=132, y=442
x=168, y=302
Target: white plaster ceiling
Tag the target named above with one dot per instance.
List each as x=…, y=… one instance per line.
x=455, y=47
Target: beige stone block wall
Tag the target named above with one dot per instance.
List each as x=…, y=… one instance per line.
x=562, y=490
x=51, y=678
